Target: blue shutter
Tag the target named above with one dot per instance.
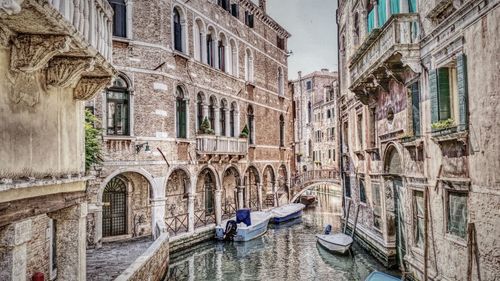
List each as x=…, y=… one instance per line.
x=371, y=20
x=415, y=100
x=412, y=6
x=433, y=90
x=462, y=92
x=382, y=15
x=394, y=7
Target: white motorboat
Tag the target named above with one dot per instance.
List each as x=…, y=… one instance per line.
x=241, y=231
x=287, y=212
x=338, y=242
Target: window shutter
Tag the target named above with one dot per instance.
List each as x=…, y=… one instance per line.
x=444, y=94
x=415, y=100
x=434, y=95
x=394, y=7
x=250, y=21
x=183, y=119
x=371, y=20
x=382, y=15
x=412, y=5
x=462, y=92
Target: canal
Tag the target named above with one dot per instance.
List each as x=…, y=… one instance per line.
x=285, y=252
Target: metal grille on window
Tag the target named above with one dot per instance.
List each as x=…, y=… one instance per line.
x=114, y=208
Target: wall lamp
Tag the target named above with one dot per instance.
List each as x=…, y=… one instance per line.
x=138, y=147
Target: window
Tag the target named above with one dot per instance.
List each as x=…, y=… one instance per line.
x=117, y=99
x=347, y=185
x=222, y=55
x=233, y=58
x=53, y=249
x=309, y=85
x=235, y=10
x=211, y=113
x=199, y=109
x=362, y=191
x=356, y=28
x=448, y=94
x=328, y=114
x=222, y=117
x=309, y=112
x=415, y=101
x=280, y=42
x=418, y=218
x=456, y=206
x=309, y=150
x=281, y=82
x=377, y=203
x=249, y=66
x=210, y=49
x=232, y=117
x=209, y=198
x=199, y=31
x=224, y=4
x=119, y=17
x=249, y=19
x=180, y=109
x=177, y=31
x=282, y=130
x=360, y=131
x=251, y=133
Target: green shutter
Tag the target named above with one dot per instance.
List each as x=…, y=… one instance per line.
x=412, y=6
x=462, y=92
x=394, y=7
x=433, y=89
x=371, y=20
x=415, y=100
x=382, y=15
x=444, y=93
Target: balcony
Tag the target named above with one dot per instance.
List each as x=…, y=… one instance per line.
x=210, y=146
x=385, y=54
x=70, y=41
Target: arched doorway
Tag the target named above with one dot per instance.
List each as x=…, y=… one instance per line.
x=396, y=212
x=268, y=181
x=176, y=207
x=230, y=183
x=206, y=185
x=252, y=182
x=114, y=209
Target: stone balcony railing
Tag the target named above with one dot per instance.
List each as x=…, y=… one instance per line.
x=217, y=145
x=390, y=47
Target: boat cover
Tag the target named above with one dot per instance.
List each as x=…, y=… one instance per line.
x=380, y=276
x=337, y=239
x=243, y=215
x=287, y=209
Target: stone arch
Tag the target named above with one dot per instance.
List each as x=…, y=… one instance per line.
x=231, y=179
x=222, y=50
x=207, y=184
x=140, y=171
x=199, y=31
x=177, y=191
x=252, y=181
x=249, y=65
x=233, y=53
x=268, y=185
x=392, y=160
x=182, y=33
x=211, y=43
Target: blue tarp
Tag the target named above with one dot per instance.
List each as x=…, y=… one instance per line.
x=243, y=215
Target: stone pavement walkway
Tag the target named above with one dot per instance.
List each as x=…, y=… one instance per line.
x=113, y=258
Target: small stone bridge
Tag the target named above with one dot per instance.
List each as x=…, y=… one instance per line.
x=309, y=179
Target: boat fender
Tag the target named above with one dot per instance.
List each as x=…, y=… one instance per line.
x=328, y=229
x=219, y=232
x=231, y=228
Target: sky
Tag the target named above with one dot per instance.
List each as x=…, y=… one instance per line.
x=313, y=27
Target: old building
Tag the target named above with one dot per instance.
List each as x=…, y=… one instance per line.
x=197, y=124
x=54, y=55
x=419, y=117
x=315, y=121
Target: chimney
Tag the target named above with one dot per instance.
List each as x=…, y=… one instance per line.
x=262, y=5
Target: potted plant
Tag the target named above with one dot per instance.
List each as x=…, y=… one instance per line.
x=244, y=132
x=205, y=127
x=444, y=126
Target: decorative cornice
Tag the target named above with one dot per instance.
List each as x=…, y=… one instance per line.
x=88, y=86
x=65, y=71
x=11, y=6
x=32, y=52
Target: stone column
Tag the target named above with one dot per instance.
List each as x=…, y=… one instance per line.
x=217, y=127
x=203, y=45
x=129, y=14
x=218, y=207
x=97, y=210
x=158, y=207
x=71, y=242
x=13, y=252
x=403, y=6
x=205, y=111
x=259, y=196
x=275, y=195
x=191, y=198
x=241, y=189
x=237, y=129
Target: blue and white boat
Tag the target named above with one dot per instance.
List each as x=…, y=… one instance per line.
x=287, y=212
x=380, y=276
x=337, y=243
x=247, y=226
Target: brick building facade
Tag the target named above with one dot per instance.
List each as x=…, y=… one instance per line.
x=418, y=91
x=197, y=124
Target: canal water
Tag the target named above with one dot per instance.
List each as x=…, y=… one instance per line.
x=285, y=252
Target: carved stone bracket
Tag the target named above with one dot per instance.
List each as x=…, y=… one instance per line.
x=87, y=87
x=25, y=88
x=65, y=71
x=11, y=7
x=5, y=36
x=32, y=52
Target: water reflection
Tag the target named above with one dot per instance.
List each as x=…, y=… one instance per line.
x=285, y=252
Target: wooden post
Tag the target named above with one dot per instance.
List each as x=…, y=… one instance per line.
x=426, y=236
x=347, y=216
x=355, y=221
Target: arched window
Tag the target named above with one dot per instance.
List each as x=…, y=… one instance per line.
x=178, y=31
x=119, y=17
x=309, y=149
x=249, y=66
x=199, y=109
x=114, y=210
x=222, y=52
x=232, y=120
x=233, y=58
x=211, y=112
x=209, y=193
x=281, y=82
x=309, y=112
x=222, y=117
x=356, y=28
x=210, y=47
x=328, y=114
x=282, y=130
x=181, y=113
x=118, y=108
x=199, y=38
x=250, y=121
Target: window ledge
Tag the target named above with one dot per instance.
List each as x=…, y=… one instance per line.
x=181, y=54
x=122, y=39
x=118, y=138
x=456, y=240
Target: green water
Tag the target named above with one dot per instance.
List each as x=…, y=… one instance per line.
x=287, y=252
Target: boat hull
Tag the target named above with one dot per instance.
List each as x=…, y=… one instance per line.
x=251, y=232
x=292, y=216
x=334, y=247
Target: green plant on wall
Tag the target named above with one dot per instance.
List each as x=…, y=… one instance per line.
x=93, y=154
x=244, y=132
x=443, y=124
x=205, y=127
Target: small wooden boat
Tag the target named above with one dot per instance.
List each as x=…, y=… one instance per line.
x=287, y=212
x=380, y=276
x=308, y=199
x=242, y=231
x=338, y=242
